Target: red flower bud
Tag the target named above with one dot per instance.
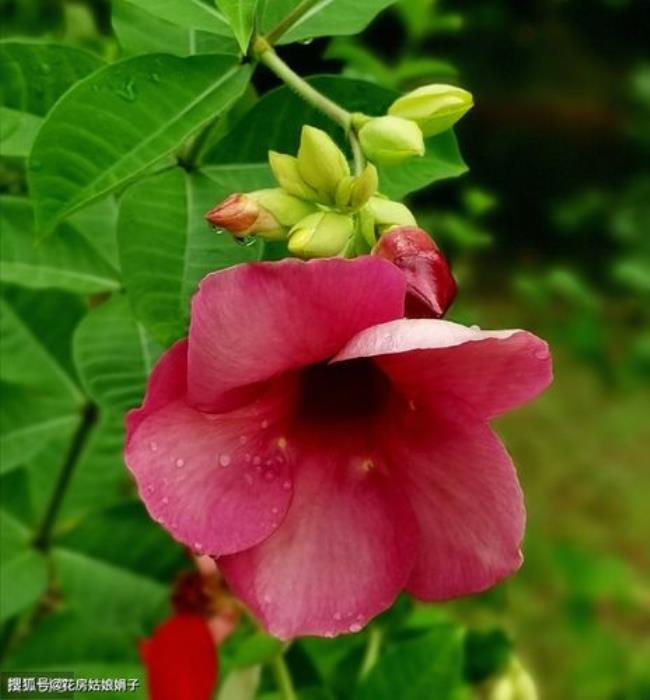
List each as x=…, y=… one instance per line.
x=237, y=214
x=181, y=660
x=430, y=287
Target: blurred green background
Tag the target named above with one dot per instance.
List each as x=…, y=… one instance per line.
x=550, y=231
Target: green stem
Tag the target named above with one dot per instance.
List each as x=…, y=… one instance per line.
x=283, y=678
x=357, y=153
x=44, y=533
x=298, y=12
x=375, y=639
x=266, y=55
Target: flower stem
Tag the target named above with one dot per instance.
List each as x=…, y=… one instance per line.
x=357, y=154
x=266, y=55
x=375, y=639
x=44, y=534
x=283, y=677
x=298, y=12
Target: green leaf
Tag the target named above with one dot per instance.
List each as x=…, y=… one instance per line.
x=241, y=18
x=108, y=595
x=191, y=14
x=39, y=400
x=66, y=261
x=34, y=75
x=140, y=32
x=121, y=120
x=276, y=120
x=166, y=247
x=17, y=132
x=326, y=18
x=114, y=355
x=65, y=640
x=426, y=667
x=23, y=571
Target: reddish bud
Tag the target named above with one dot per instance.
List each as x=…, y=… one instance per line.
x=429, y=284
x=236, y=214
x=181, y=660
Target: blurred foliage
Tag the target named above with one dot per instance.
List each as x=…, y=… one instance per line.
x=549, y=231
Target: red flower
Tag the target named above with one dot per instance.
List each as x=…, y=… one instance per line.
x=181, y=660
x=330, y=452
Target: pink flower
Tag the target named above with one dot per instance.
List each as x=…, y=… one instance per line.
x=329, y=452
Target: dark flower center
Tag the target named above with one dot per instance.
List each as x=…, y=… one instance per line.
x=343, y=391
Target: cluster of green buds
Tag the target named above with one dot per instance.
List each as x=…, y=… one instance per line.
x=320, y=208
x=400, y=134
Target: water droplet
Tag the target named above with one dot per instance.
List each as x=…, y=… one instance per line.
x=45, y=69
x=337, y=616
x=159, y=519
x=153, y=446
x=224, y=460
x=128, y=91
x=243, y=439
x=306, y=42
x=247, y=458
x=286, y=485
x=150, y=488
x=217, y=229
x=282, y=442
x=246, y=241
x=275, y=511
x=268, y=462
x=280, y=459
x=257, y=459
x=198, y=548
x=269, y=475
x=265, y=424
x=180, y=462
x=267, y=598
x=542, y=354
x=355, y=627
x=475, y=327
x=329, y=634
x=412, y=405
x=154, y=77
x=249, y=478
x=165, y=501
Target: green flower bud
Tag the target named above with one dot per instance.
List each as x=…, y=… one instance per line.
x=321, y=235
x=321, y=163
x=285, y=171
x=390, y=140
x=389, y=213
x=284, y=208
x=435, y=108
x=354, y=192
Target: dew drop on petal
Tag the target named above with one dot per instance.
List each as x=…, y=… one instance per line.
x=275, y=510
x=247, y=458
x=355, y=627
x=286, y=485
x=248, y=478
x=224, y=460
x=180, y=462
x=153, y=446
x=337, y=615
x=269, y=475
x=265, y=424
x=165, y=500
x=267, y=598
x=257, y=459
x=243, y=439
x=198, y=548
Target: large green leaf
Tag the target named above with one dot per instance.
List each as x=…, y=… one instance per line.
x=39, y=400
x=114, y=355
x=191, y=14
x=276, y=120
x=17, y=132
x=326, y=18
x=166, y=247
x=426, y=667
x=140, y=32
x=34, y=75
x=241, y=18
x=23, y=570
x=119, y=121
x=66, y=261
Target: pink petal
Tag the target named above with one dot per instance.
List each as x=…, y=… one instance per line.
x=254, y=321
x=343, y=552
x=167, y=382
x=464, y=491
x=216, y=482
x=493, y=371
